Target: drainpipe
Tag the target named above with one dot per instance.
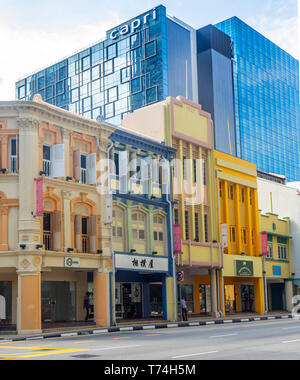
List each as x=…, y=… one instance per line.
x=113, y=297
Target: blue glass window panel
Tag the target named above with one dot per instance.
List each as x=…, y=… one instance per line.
x=75, y=95
x=96, y=86
x=120, y=62
x=150, y=49
x=151, y=95
x=84, y=91
x=112, y=94
x=74, y=81
x=72, y=68
x=108, y=67
x=135, y=40
x=109, y=110
x=125, y=74
x=124, y=89
x=60, y=88
x=96, y=72
x=41, y=83
x=88, y=114
x=98, y=100
x=136, y=54
x=136, y=85
x=123, y=45
x=84, y=53
x=111, y=51
x=86, y=76
x=97, y=112
x=50, y=76
x=63, y=73
x=61, y=100
x=86, y=104
x=42, y=93
x=112, y=80
x=21, y=93
x=136, y=70
x=86, y=62
x=121, y=106
x=138, y=100
x=49, y=92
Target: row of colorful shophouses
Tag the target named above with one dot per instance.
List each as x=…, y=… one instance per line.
x=140, y=216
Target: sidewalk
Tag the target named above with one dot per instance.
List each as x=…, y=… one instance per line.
x=89, y=328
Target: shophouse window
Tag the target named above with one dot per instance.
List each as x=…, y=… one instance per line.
x=206, y=227
x=139, y=228
x=232, y=235
x=47, y=232
x=85, y=167
x=230, y=192
x=176, y=217
x=13, y=155
x=187, y=225
x=282, y=248
x=270, y=251
x=85, y=234
x=118, y=227
x=244, y=236
x=204, y=172
x=159, y=233
x=197, y=227
x=242, y=195
x=220, y=189
x=53, y=160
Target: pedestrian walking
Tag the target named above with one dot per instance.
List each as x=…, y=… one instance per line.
x=86, y=305
x=184, y=310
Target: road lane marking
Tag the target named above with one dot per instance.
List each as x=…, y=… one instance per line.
x=222, y=336
x=291, y=341
x=198, y=354
x=47, y=352
x=125, y=337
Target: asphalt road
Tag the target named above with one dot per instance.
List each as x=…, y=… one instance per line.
x=267, y=340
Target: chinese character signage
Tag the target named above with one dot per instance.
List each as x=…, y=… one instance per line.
x=141, y=263
x=177, y=239
x=264, y=243
x=39, y=197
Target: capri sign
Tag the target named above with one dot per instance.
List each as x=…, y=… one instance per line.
x=133, y=26
x=244, y=268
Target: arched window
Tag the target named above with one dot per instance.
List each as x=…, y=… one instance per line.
x=139, y=231
x=159, y=231
x=118, y=227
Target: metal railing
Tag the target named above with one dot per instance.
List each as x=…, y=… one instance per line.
x=84, y=243
x=13, y=164
x=47, y=240
x=83, y=176
x=47, y=167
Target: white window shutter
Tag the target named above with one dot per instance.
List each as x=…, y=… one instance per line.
x=76, y=165
x=145, y=164
x=91, y=169
x=123, y=163
x=58, y=160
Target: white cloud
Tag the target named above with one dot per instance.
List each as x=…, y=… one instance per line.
x=280, y=29
x=26, y=50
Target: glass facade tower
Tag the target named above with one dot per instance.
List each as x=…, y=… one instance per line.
x=266, y=88
x=126, y=71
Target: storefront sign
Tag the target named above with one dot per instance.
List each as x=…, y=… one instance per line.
x=244, y=268
x=133, y=26
x=177, y=239
x=264, y=244
x=141, y=263
x=277, y=270
x=39, y=197
x=71, y=262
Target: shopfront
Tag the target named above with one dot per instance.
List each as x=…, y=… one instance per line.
x=58, y=301
x=141, y=290
x=6, y=293
x=243, y=285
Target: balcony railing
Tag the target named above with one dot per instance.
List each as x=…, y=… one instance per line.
x=47, y=240
x=47, y=167
x=84, y=243
x=83, y=176
x=13, y=165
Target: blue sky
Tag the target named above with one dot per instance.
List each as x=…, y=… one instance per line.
x=34, y=33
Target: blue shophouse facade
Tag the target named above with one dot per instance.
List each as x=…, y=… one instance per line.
x=142, y=227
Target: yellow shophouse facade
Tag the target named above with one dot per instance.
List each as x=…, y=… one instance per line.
x=278, y=262
x=243, y=287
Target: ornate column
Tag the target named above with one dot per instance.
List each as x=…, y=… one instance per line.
x=29, y=226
